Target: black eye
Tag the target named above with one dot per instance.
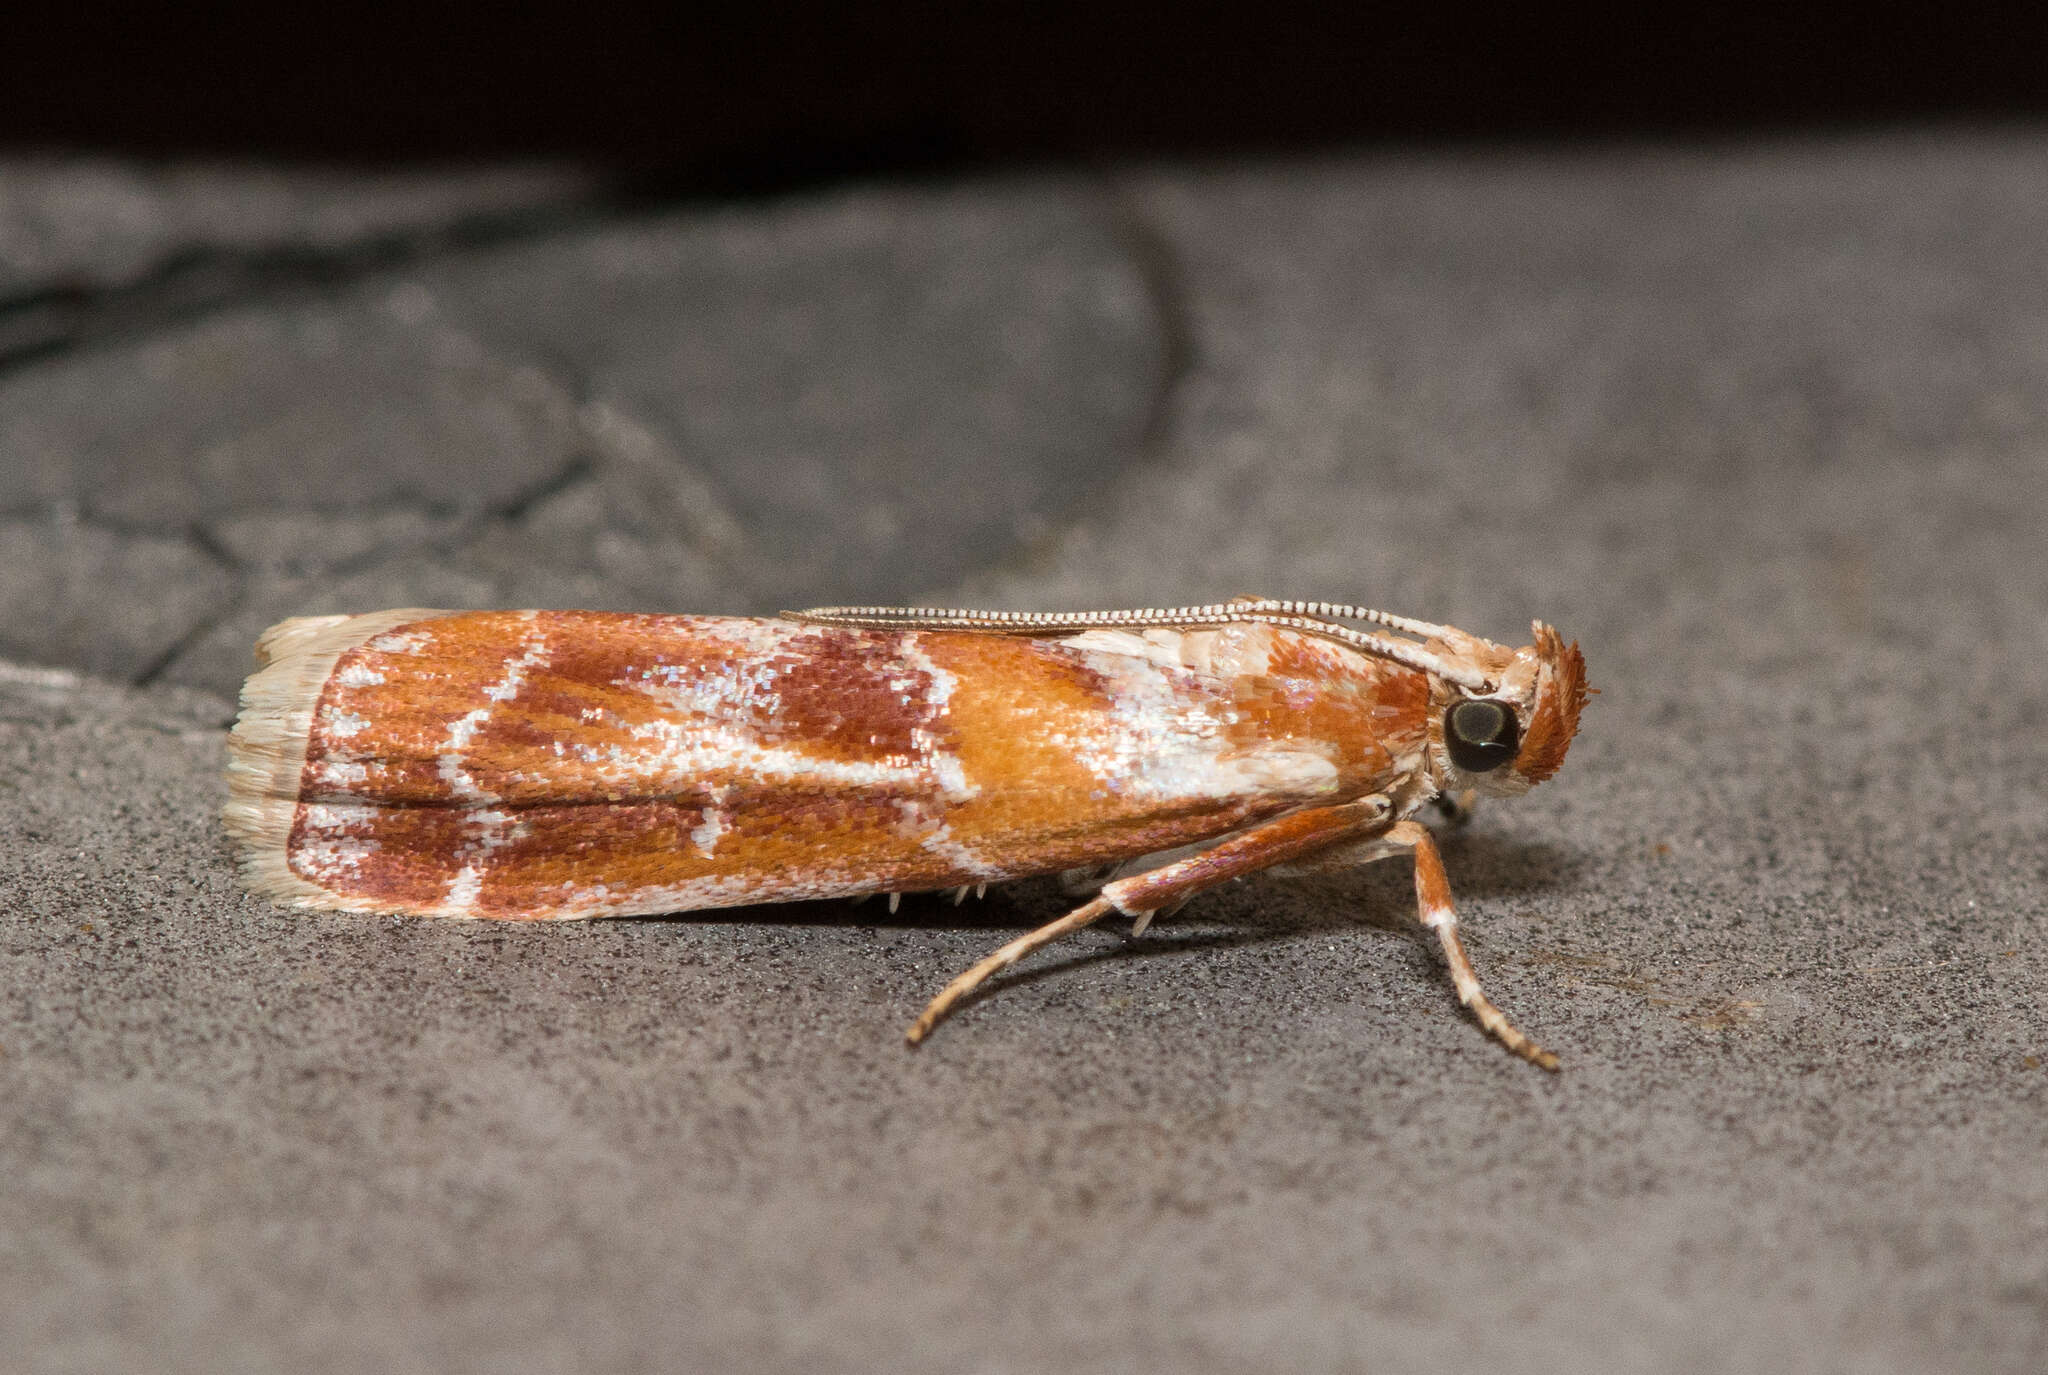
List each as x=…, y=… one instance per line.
x=1480, y=735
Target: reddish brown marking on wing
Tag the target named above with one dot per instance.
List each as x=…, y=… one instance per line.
x=400, y=861
x=850, y=696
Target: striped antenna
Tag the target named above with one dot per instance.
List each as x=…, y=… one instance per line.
x=1306, y=617
x=1344, y=611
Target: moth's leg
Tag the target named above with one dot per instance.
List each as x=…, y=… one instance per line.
x=1458, y=810
x=1273, y=842
x=1077, y=882
x=1433, y=900
x=1433, y=897
x=1002, y=959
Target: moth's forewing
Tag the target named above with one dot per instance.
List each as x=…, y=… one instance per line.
x=577, y=764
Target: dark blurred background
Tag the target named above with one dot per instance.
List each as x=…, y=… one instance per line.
x=724, y=97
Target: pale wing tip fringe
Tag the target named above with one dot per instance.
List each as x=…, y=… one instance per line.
x=288, y=637
x=267, y=748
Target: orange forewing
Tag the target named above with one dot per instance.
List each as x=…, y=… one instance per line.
x=567, y=764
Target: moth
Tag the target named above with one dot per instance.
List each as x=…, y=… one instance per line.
x=550, y=765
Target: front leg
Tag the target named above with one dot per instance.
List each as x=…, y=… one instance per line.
x=1433, y=898
x=1433, y=903
x=1294, y=836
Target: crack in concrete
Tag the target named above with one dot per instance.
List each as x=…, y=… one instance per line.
x=202, y=540
x=628, y=448
x=192, y=282
x=457, y=531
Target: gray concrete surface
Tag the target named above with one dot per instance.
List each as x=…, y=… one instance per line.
x=1765, y=427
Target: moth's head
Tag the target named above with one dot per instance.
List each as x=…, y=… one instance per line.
x=1511, y=733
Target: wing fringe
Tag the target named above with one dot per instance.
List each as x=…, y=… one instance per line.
x=267, y=748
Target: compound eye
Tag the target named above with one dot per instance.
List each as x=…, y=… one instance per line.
x=1480, y=736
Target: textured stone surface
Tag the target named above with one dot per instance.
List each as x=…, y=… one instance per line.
x=1763, y=428
x=113, y=601
x=78, y=224
x=882, y=387
x=334, y=403
x=871, y=394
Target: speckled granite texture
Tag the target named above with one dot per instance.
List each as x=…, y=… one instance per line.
x=1765, y=427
